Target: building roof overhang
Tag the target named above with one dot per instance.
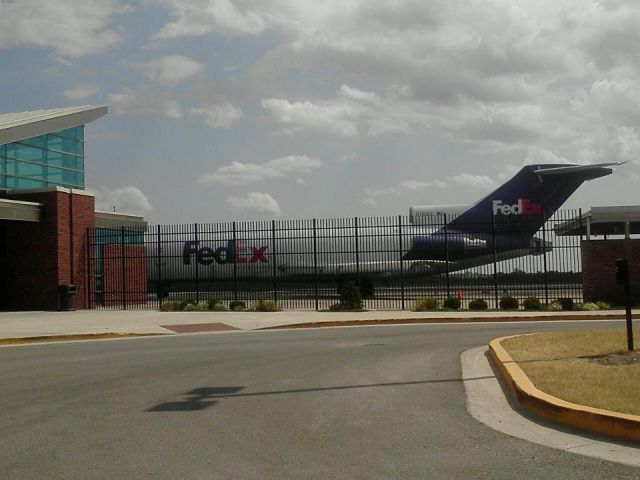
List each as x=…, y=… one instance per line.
x=19, y=126
x=603, y=221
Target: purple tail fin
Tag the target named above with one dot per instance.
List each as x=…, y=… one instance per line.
x=524, y=203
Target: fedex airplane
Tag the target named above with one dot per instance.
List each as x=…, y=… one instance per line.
x=501, y=226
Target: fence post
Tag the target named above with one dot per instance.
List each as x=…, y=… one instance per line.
x=446, y=249
x=315, y=264
x=355, y=223
x=195, y=229
x=544, y=256
x=401, y=262
x=495, y=263
x=273, y=256
x=87, y=271
x=235, y=265
x=159, y=284
x=122, y=267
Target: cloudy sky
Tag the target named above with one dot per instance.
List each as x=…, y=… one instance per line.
x=252, y=109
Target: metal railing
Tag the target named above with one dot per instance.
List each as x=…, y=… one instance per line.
x=301, y=264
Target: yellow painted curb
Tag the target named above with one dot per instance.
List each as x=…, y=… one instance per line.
x=605, y=422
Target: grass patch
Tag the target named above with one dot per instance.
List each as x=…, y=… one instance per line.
x=589, y=367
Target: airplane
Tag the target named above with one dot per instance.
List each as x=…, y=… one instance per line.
x=438, y=239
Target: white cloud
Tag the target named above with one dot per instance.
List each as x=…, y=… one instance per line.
x=145, y=102
x=219, y=115
x=198, y=17
x=81, y=91
x=124, y=200
x=371, y=195
x=171, y=69
x=357, y=94
x=73, y=28
x=255, y=202
x=299, y=117
x=237, y=173
x=475, y=182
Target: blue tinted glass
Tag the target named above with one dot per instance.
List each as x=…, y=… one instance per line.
x=30, y=170
x=25, y=152
x=80, y=179
x=57, y=159
x=39, y=141
x=69, y=177
x=23, y=183
x=3, y=151
x=54, y=176
x=80, y=133
x=64, y=145
x=3, y=181
x=68, y=133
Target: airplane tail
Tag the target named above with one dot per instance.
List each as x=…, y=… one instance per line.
x=525, y=202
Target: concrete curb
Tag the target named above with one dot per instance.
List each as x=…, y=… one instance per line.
x=605, y=422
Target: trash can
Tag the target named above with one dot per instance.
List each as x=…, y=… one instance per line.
x=67, y=295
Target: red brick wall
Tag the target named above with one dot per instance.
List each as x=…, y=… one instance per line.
x=39, y=254
x=135, y=278
x=599, y=269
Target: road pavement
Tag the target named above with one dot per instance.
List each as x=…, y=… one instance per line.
x=331, y=403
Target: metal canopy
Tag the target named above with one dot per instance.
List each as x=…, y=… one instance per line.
x=19, y=126
x=615, y=220
x=20, y=211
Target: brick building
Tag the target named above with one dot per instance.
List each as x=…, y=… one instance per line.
x=45, y=213
x=607, y=234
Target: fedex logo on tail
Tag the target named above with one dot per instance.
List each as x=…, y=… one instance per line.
x=524, y=206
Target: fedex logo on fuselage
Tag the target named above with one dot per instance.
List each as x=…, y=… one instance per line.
x=524, y=206
x=233, y=252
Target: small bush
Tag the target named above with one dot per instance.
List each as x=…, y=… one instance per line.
x=266, y=306
x=336, y=307
x=587, y=307
x=350, y=296
x=603, y=306
x=452, y=303
x=237, y=305
x=531, y=303
x=426, y=304
x=508, y=303
x=554, y=306
x=218, y=307
x=478, y=304
x=566, y=303
x=212, y=303
x=172, y=306
x=196, y=307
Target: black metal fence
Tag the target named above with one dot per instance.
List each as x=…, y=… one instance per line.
x=301, y=264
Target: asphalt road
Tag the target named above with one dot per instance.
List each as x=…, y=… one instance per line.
x=365, y=402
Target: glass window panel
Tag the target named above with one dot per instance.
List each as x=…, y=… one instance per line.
x=80, y=133
x=69, y=177
x=25, y=152
x=63, y=145
x=80, y=179
x=39, y=141
x=3, y=151
x=3, y=181
x=11, y=150
x=54, y=176
x=68, y=133
x=54, y=159
x=31, y=170
x=11, y=167
x=23, y=183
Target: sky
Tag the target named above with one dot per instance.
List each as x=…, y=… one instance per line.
x=257, y=109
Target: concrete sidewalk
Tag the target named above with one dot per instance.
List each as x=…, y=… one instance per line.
x=35, y=324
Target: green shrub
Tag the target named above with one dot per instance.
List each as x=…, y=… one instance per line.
x=603, y=306
x=266, y=306
x=350, y=296
x=426, y=304
x=587, y=307
x=508, y=303
x=478, y=304
x=531, y=303
x=237, y=305
x=554, y=306
x=196, y=307
x=567, y=304
x=218, y=307
x=212, y=303
x=172, y=306
x=452, y=303
x=336, y=307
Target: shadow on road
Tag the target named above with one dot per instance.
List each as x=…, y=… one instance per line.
x=201, y=398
